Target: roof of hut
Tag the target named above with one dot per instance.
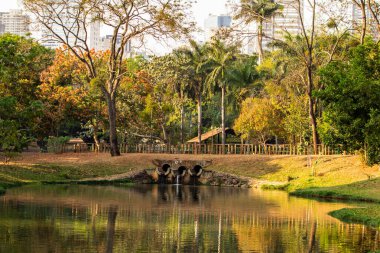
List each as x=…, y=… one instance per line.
x=211, y=134
x=75, y=140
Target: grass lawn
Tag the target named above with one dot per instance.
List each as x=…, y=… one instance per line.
x=369, y=215
x=368, y=190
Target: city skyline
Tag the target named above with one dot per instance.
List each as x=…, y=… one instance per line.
x=201, y=10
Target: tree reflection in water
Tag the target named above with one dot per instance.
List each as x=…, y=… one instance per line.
x=171, y=219
x=112, y=213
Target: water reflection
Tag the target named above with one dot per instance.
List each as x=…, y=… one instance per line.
x=172, y=219
x=112, y=213
x=178, y=193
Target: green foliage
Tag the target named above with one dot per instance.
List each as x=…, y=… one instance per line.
x=372, y=137
x=12, y=140
x=352, y=102
x=16, y=125
x=259, y=120
x=281, y=73
x=21, y=62
x=55, y=144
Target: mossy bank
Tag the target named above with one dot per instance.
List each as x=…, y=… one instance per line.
x=367, y=191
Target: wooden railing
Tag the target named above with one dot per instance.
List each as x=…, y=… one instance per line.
x=228, y=149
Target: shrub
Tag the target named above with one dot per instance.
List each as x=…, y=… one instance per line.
x=56, y=144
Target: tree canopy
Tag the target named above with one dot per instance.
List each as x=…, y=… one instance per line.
x=351, y=100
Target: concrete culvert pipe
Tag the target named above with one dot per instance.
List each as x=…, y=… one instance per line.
x=196, y=171
x=164, y=170
x=181, y=171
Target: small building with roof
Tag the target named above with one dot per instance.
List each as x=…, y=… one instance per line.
x=214, y=136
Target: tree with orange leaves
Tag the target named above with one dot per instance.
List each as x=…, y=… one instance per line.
x=69, y=95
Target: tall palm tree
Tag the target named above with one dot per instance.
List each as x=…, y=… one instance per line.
x=244, y=81
x=178, y=80
x=244, y=77
x=196, y=59
x=220, y=59
x=257, y=11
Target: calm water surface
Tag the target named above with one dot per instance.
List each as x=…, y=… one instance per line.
x=172, y=219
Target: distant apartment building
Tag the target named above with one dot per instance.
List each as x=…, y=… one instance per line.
x=355, y=14
x=213, y=23
x=287, y=20
x=131, y=48
x=92, y=38
x=14, y=22
x=2, y=27
x=105, y=44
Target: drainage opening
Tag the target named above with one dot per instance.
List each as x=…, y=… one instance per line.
x=182, y=171
x=196, y=171
x=165, y=168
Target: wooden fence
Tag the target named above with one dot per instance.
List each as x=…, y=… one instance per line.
x=218, y=149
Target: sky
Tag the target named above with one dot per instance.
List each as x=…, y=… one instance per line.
x=5, y=5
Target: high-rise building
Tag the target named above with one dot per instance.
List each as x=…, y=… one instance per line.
x=2, y=27
x=131, y=48
x=71, y=33
x=213, y=23
x=65, y=26
x=14, y=22
x=288, y=20
x=356, y=20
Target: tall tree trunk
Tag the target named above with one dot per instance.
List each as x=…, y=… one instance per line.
x=364, y=21
x=260, y=41
x=182, y=123
x=111, y=103
x=223, y=118
x=165, y=135
x=95, y=134
x=313, y=120
x=199, y=102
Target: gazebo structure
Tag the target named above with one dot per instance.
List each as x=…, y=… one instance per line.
x=213, y=136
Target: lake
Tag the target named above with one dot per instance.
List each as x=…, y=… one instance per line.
x=153, y=218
